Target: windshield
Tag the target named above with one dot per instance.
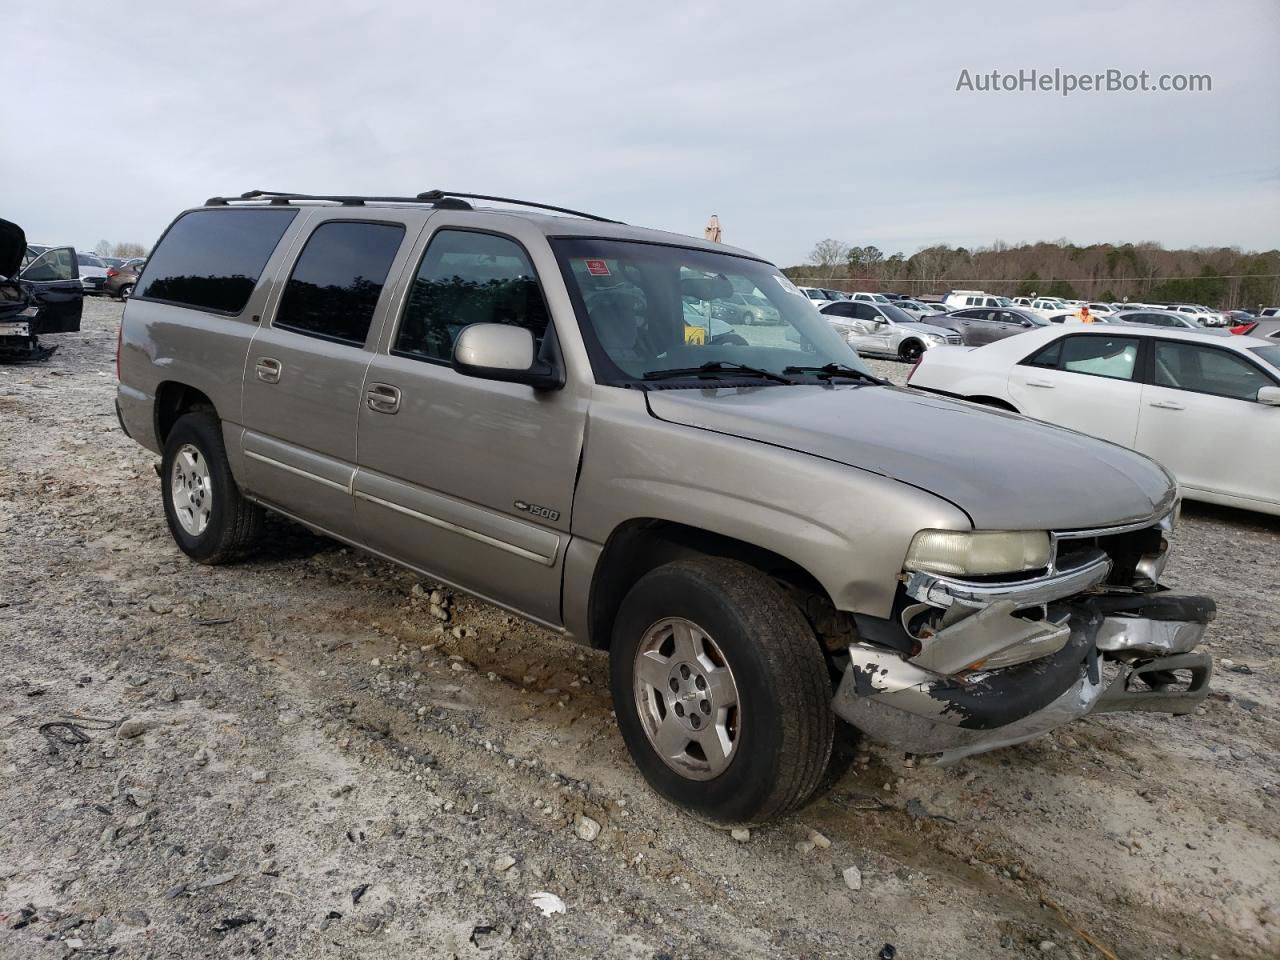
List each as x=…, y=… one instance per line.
x=1034, y=318
x=646, y=308
x=896, y=314
x=88, y=260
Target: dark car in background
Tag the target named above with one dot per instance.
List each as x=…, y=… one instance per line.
x=40, y=292
x=121, y=279
x=979, y=325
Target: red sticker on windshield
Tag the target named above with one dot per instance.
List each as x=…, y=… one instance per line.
x=597, y=268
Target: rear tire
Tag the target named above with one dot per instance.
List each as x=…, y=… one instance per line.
x=126, y=291
x=209, y=519
x=757, y=684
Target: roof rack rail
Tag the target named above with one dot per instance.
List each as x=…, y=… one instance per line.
x=440, y=199
x=435, y=196
x=280, y=198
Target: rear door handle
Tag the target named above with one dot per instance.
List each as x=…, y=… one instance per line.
x=383, y=398
x=268, y=370
x=1040, y=383
x=1167, y=405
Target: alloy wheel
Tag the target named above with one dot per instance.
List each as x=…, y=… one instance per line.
x=191, y=490
x=687, y=698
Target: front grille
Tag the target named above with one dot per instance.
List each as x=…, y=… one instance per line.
x=954, y=339
x=1126, y=550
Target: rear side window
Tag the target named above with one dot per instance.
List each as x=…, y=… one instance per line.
x=1188, y=366
x=335, y=284
x=467, y=278
x=212, y=259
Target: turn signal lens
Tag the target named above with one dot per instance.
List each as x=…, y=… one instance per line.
x=979, y=552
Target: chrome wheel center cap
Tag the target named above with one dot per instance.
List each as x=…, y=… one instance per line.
x=691, y=701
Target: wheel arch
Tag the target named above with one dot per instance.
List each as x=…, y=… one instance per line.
x=641, y=544
x=909, y=342
x=995, y=402
x=173, y=399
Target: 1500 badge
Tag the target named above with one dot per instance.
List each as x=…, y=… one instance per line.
x=533, y=509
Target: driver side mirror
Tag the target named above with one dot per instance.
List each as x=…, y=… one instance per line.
x=500, y=351
x=1269, y=395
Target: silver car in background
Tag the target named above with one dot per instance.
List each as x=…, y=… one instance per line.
x=1164, y=318
x=885, y=330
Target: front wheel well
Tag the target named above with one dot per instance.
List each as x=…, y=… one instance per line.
x=173, y=399
x=641, y=545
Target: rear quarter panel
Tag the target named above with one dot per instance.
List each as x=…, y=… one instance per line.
x=955, y=370
x=205, y=350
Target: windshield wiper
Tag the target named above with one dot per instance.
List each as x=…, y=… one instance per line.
x=829, y=370
x=713, y=367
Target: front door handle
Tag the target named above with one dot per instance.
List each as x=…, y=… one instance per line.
x=1167, y=405
x=1040, y=383
x=382, y=398
x=268, y=369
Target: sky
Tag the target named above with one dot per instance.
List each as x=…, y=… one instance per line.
x=791, y=122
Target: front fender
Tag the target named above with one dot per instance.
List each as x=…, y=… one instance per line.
x=846, y=527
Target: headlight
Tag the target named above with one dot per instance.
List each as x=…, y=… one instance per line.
x=978, y=552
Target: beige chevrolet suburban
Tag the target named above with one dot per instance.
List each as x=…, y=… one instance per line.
x=543, y=408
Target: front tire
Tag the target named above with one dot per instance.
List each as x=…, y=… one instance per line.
x=721, y=691
x=910, y=351
x=208, y=518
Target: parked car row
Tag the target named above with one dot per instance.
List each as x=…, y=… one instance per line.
x=1051, y=308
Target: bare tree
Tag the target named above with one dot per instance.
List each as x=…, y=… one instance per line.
x=105, y=248
x=829, y=254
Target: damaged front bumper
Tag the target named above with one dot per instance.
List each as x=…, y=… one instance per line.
x=1005, y=665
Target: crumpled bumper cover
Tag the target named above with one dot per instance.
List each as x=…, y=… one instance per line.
x=1122, y=654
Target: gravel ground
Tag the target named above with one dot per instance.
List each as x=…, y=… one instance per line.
x=293, y=757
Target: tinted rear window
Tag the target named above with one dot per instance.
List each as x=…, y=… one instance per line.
x=212, y=259
x=334, y=288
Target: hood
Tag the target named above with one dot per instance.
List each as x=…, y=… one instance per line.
x=925, y=329
x=13, y=244
x=1005, y=471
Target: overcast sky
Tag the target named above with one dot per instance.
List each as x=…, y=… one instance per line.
x=792, y=122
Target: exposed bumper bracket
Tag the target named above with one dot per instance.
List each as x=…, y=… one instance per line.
x=1154, y=694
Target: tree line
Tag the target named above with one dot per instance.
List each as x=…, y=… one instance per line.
x=106, y=248
x=1226, y=277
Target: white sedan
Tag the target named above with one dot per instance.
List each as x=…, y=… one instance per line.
x=1207, y=408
